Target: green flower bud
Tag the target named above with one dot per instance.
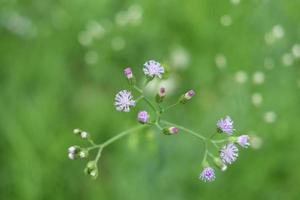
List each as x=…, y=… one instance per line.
x=161, y=95
x=170, y=131
x=218, y=162
x=187, y=96
x=91, y=169
x=83, y=153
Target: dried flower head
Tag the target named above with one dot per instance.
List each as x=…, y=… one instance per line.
x=229, y=153
x=153, y=68
x=124, y=100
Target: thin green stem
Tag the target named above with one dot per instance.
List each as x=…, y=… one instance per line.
x=205, y=154
x=213, y=135
x=120, y=135
x=91, y=141
x=216, y=145
x=138, y=89
x=93, y=147
x=99, y=154
x=150, y=104
x=219, y=141
x=171, y=106
x=139, y=98
x=185, y=129
x=210, y=155
x=146, y=99
x=146, y=82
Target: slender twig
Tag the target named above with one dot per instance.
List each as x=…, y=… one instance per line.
x=185, y=129
x=171, y=106
x=99, y=154
x=219, y=141
x=120, y=135
x=146, y=99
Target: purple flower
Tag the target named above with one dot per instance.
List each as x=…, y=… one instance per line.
x=225, y=125
x=143, y=117
x=128, y=73
x=243, y=141
x=207, y=174
x=123, y=101
x=229, y=153
x=153, y=68
x=188, y=95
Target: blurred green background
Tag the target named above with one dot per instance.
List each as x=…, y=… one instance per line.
x=61, y=64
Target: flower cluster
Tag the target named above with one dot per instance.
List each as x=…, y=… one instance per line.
x=228, y=153
x=151, y=117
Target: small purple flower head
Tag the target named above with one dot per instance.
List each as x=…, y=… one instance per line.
x=229, y=153
x=123, y=101
x=243, y=141
x=225, y=125
x=153, y=68
x=171, y=131
x=128, y=73
x=143, y=117
x=207, y=174
x=189, y=94
x=162, y=92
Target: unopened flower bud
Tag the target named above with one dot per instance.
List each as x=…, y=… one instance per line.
x=72, y=149
x=76, y=131
x=161, y=95
x=84, y=135
x=83, y=153
x=143, y=117
x=243, y=141
x=218, y=162
x=71, y=156
x=170, y=131
x=187, y=96
x=91, y=169
x=128, y=73
x=73, y=152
